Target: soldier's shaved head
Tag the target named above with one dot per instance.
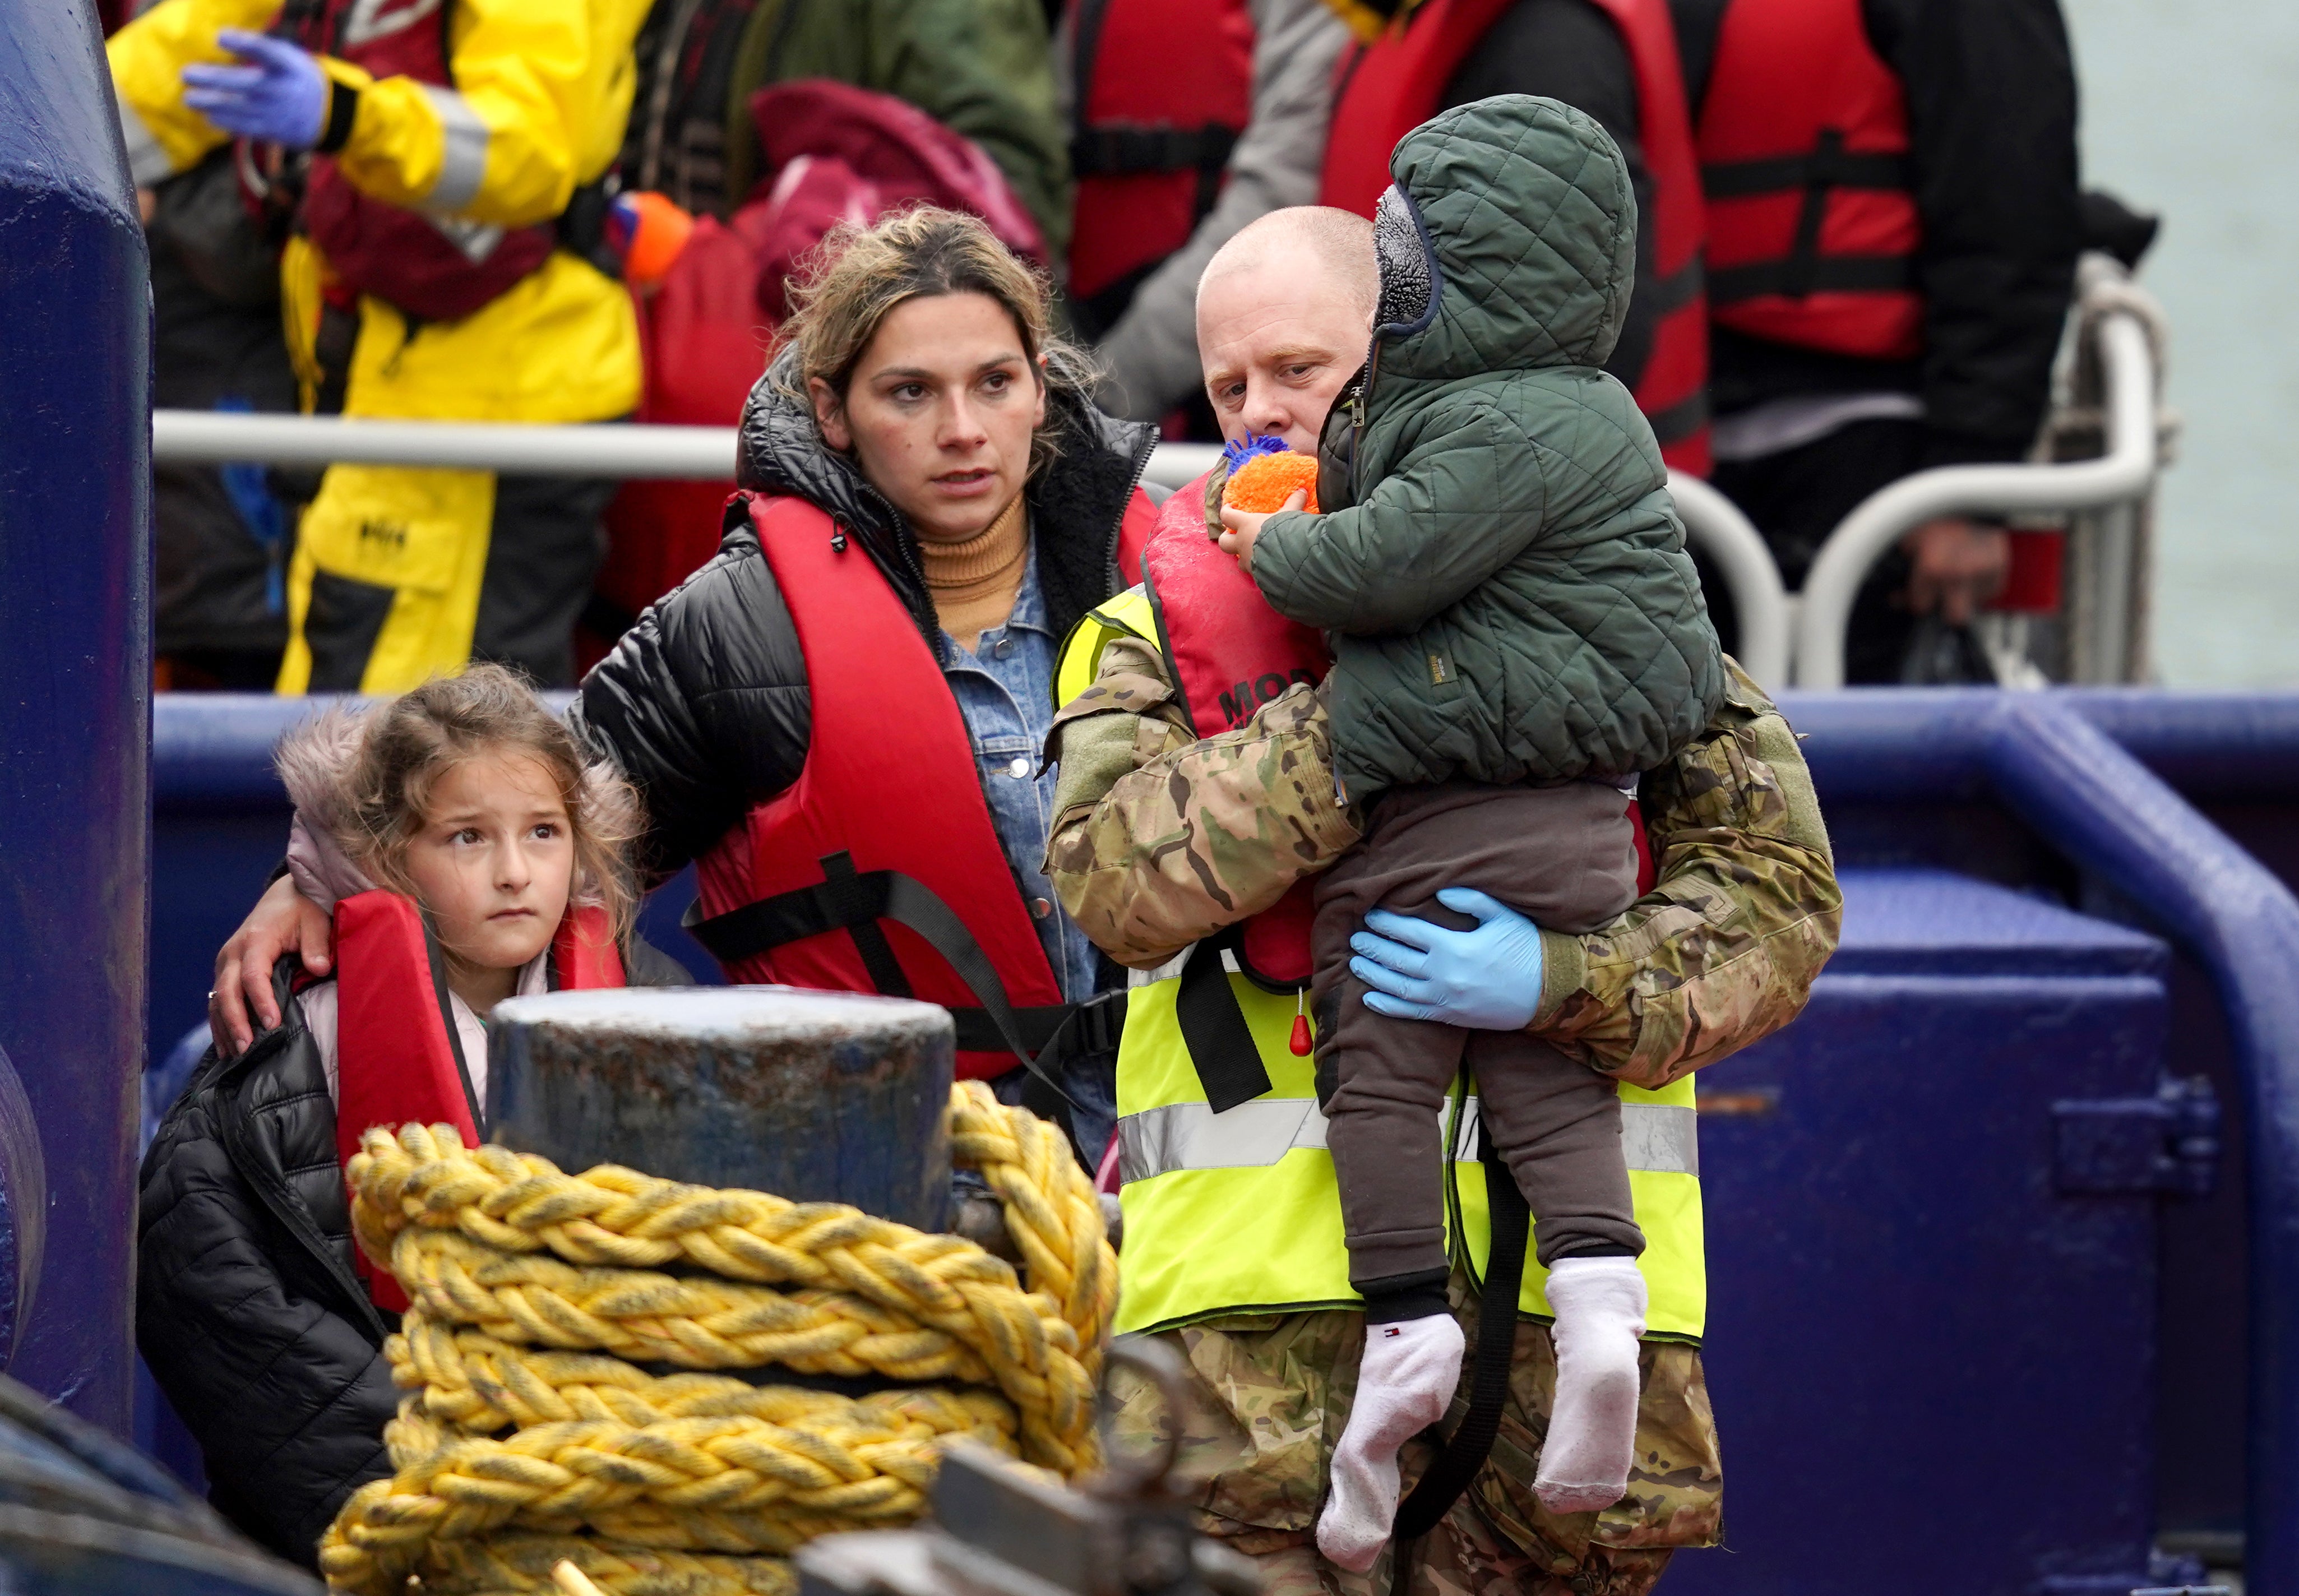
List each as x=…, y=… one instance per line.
x=1285, y=313
x=1338, y=242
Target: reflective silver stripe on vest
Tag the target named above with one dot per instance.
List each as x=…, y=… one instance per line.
x=1660, y=1137
x=1190, y=1135
x=463, y=160
x=147, y=163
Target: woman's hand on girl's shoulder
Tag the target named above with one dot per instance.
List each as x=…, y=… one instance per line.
x=283, y=921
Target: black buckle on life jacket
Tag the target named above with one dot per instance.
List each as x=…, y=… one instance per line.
x=1804, y=271
x=1131, y=149
x=1054, y=1032
x=1043, y=1038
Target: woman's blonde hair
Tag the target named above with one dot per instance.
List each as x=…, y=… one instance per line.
x=387, y=760
x=857, y=275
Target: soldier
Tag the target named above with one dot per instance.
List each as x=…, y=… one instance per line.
x=1159, y=837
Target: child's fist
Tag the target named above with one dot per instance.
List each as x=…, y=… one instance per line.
x=1245, y=527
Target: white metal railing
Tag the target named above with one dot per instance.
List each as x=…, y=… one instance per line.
x=2118, y=318
x=1777, y=631
x=611, y=449
x=216, y=437
x=1759, y=599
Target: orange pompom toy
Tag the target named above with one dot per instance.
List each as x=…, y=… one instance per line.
x=1265, y=481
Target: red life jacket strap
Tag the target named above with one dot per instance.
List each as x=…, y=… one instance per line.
x=1829, y=166
x=1807, y=272
x=1804, y=271
x=1124, y=150
x=855, y=901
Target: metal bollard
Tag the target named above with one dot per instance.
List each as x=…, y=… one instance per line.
x=816, y=1096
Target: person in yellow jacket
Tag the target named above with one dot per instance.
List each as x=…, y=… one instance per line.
x=481, y=120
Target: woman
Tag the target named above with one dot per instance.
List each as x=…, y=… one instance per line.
x=932, y=497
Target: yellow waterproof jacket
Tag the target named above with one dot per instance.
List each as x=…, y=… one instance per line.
x=544, y=87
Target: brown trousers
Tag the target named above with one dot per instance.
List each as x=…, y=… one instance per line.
x=1563, y=856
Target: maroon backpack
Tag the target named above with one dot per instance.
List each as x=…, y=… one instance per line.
x=835, y=153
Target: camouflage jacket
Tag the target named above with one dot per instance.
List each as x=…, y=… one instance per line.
x=1270, y=1395
x=1159, y=839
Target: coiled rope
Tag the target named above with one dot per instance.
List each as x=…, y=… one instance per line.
x=533, y=1431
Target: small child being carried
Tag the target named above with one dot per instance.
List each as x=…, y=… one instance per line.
x=470, y=849
x=1518, y=634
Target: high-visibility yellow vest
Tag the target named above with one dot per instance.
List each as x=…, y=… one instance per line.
x=1239, y=1212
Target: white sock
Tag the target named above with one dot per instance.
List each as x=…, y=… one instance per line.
x=1600, y=1303
x=1411, y=1369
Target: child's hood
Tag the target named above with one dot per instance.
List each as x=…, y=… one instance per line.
x=1509, y=240
x=316, y=762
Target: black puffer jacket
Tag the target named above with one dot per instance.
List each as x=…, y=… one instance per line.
x=247, y=1308
x=704, y=704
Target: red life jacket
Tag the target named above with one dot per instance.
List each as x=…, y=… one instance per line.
x=1391, y=86
x=1163, y=89
x=1231, y=654
x=879, y=869
x=399, y=1060
x=436, y=269
x=1812, y=230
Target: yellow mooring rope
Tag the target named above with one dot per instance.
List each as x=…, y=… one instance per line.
x=533, y=1432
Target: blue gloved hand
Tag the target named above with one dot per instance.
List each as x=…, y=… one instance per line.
x=282, y=98
x=1487, y=978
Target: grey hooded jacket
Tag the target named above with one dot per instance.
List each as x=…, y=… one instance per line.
x=1507, y=582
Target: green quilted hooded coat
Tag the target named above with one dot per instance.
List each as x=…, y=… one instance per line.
x=1506, y=579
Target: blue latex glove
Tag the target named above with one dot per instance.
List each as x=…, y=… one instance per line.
x=1488, y=979
x=281, y=98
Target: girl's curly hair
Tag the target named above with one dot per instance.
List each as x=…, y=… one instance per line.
x=364, y=776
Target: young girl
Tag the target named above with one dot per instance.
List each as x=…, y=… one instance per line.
x=469, y=851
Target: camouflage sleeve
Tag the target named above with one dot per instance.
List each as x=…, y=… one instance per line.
x=1122, y=722
x=1198, y=835
x=1723, y=950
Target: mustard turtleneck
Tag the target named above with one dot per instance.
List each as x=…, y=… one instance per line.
x=972, y=581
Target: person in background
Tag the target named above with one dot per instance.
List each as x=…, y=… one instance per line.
x=435, y=154
x=1615, y=59
x=1187, y=122
x=220, y=534
x=1893, y=226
